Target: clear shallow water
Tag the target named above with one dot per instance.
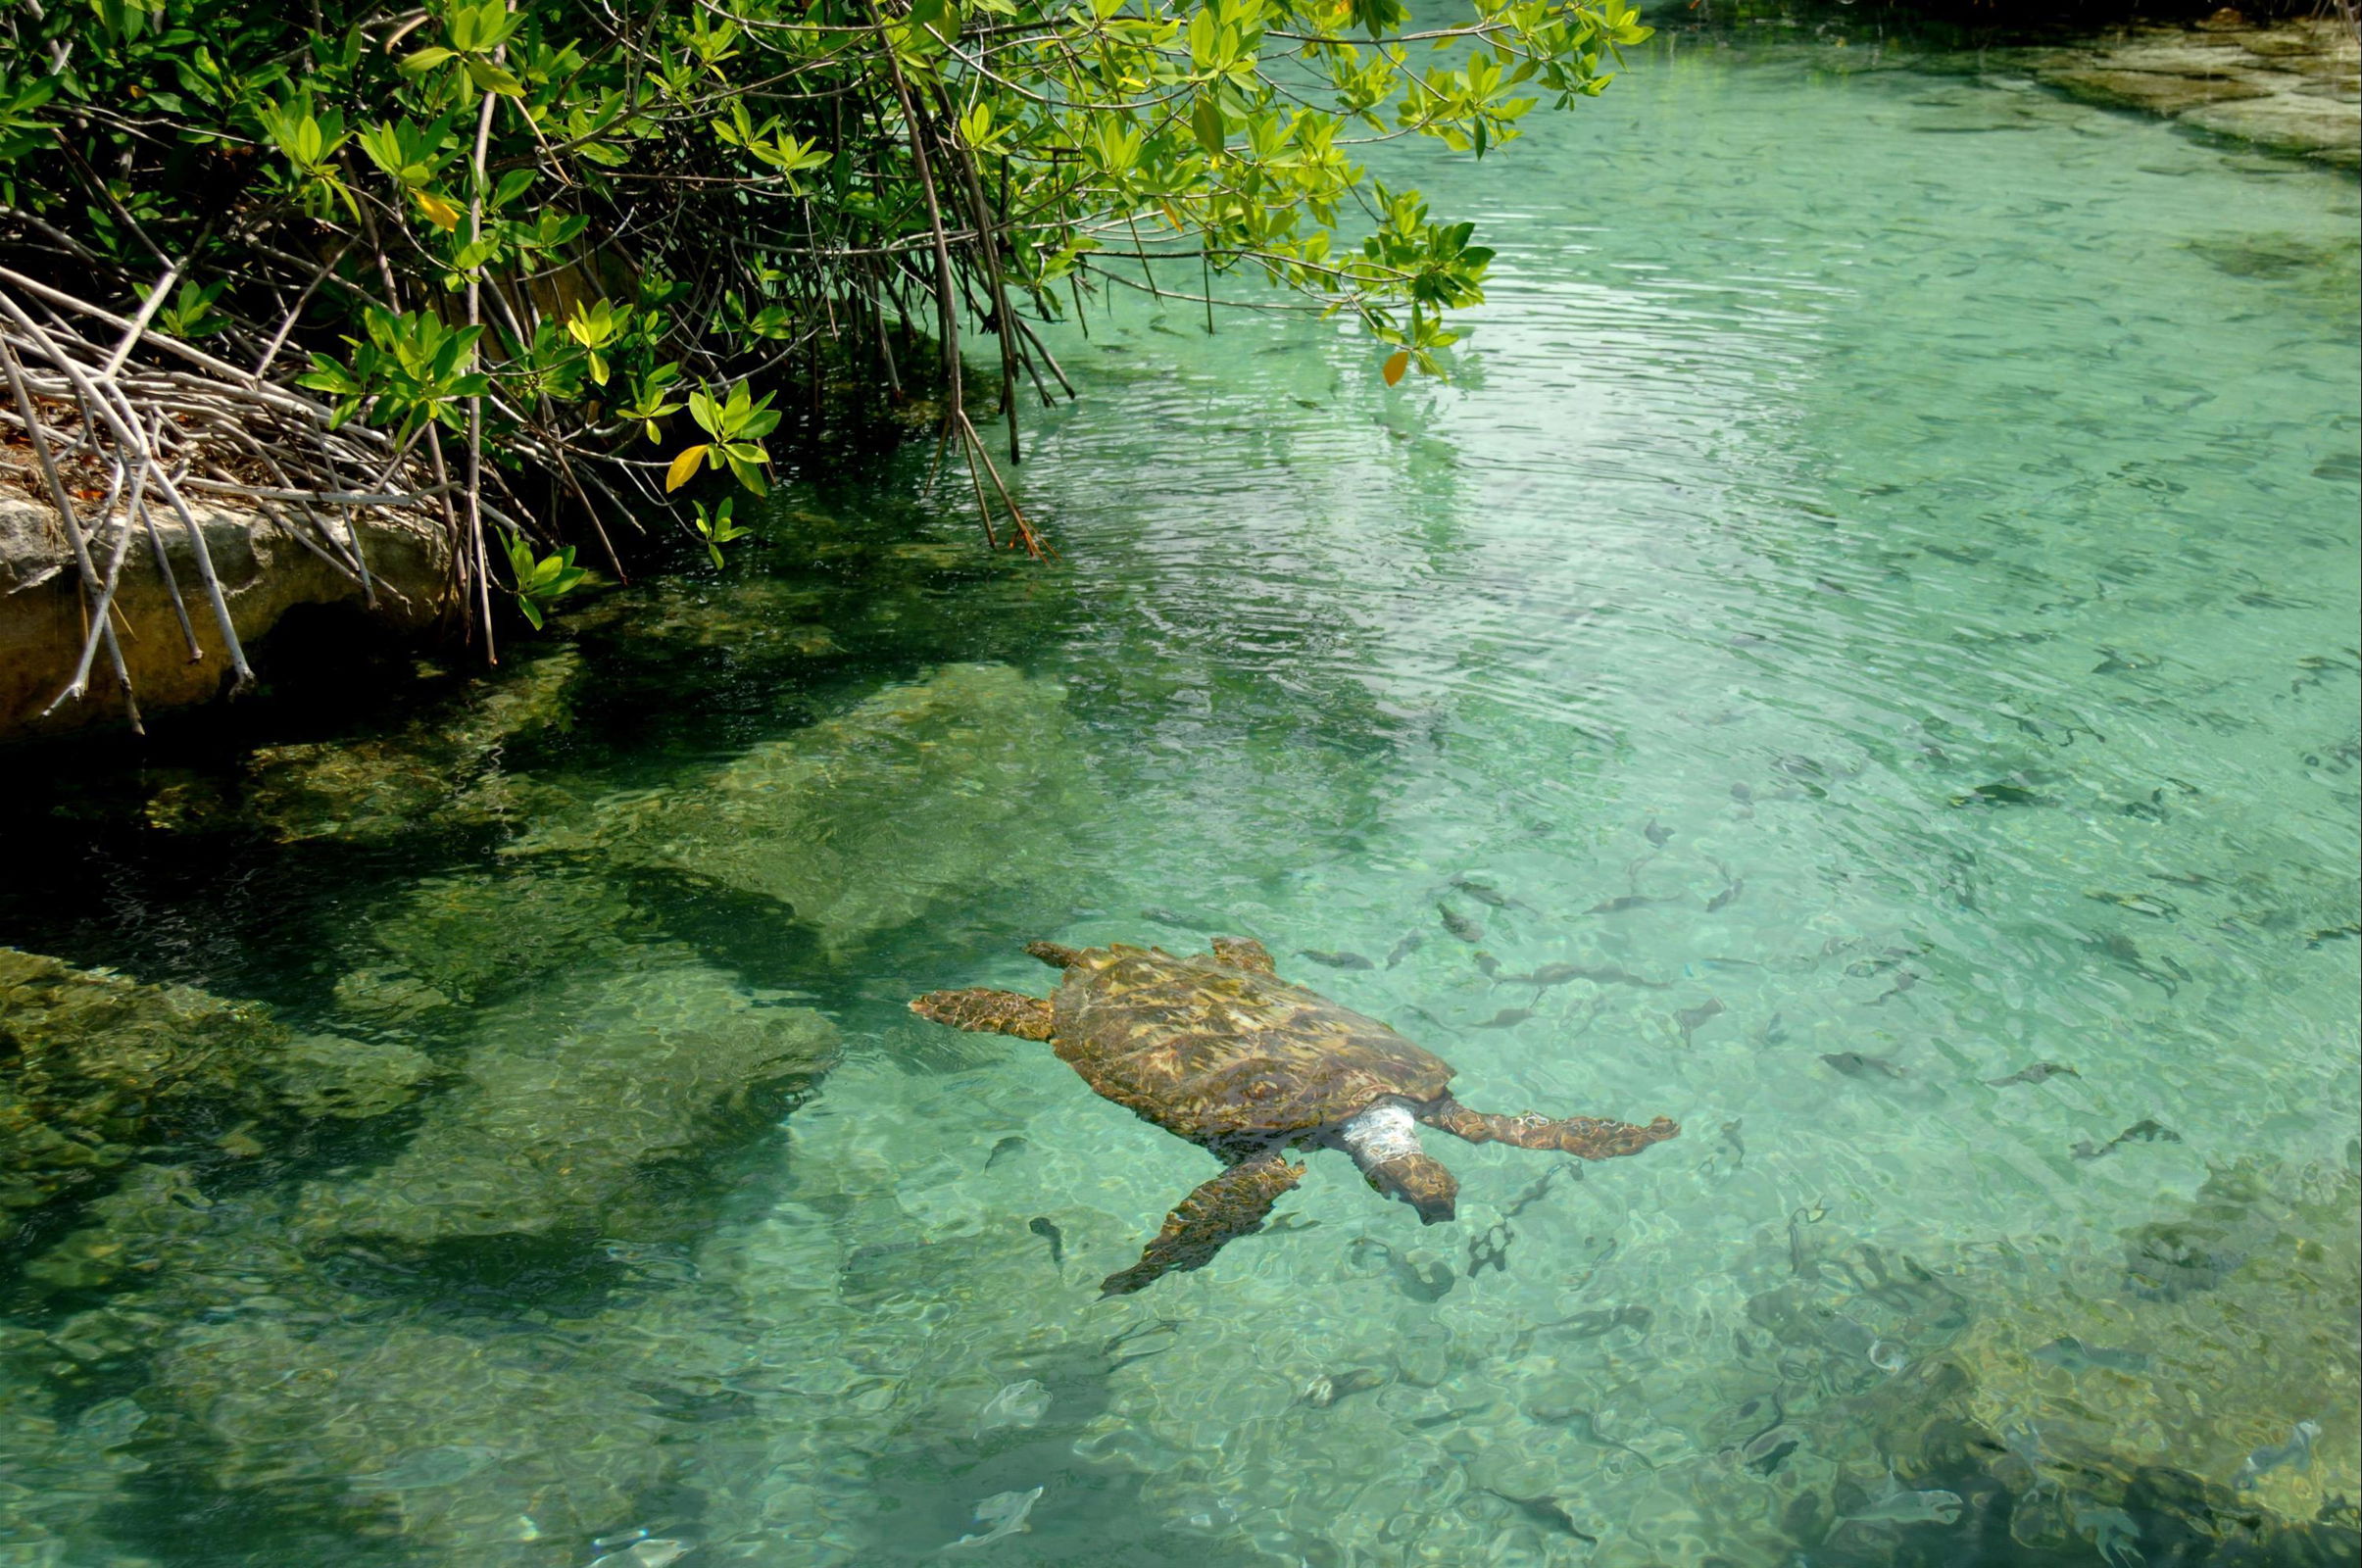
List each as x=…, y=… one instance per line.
x=1899, y=528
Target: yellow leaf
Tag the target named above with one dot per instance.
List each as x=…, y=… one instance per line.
x=440, y=211
x=683, y=467
x=1396, y=363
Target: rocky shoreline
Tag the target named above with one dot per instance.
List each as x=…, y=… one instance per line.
x=2291, y=87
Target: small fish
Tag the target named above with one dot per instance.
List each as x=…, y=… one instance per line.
x=1483, y=892
x=2137, y=903
x=1558, y=974
x=1042, y=1226
x=655, y=1552
x=1606, y=1320
x=2113, y=1532
x=1336, y=960
x=2076, y=1357
x=1766, y=1451
x=1329, y=1388
x=1423, y=1422
x=1507, y=1018
x=1853, y=1064
x=1998, y=793
x=1692, y=1018
x=1547, y=1511
x=1004, y=1514
x=1177, y=919
x=1539, y=1189
x=1006, y=1145
x=1730, y=1141
x=2147, y=1130
x=1421, y=1277
x=1727, y=897
x=653, y=1262
x=1487, y=965
x=1880, y=963
x=1138, y=1331
x=1586, y=1426
x=622, y=1538
x=2025, y=1442
x=1775, y=1033
x=1459, y=925
x=1019, y=1404
x=2297, y=1451
x=1911, y=1508
x=1629, y=901
x=428, y=1468
x=1412, y=943
x=1803, y=1255
x=2035, y=1074
x=1904, y=980
x=1743, y=794
x=2120, y=947
x=1658, y=834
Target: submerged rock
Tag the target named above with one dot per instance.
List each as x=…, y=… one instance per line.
x=748, y=617
x=2313, y=124
x=483, y=1448
x=481, y=1437
x=472, y=936
x=443, y=770
x=2158, y=92
x=129, y=1235
x=958, y=787
x=97, y=1070
x=331, y=1077
x=576, y=1106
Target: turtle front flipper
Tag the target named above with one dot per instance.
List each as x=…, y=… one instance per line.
x=1587, y=1137
x=991, y=1012
x=1230, y=1206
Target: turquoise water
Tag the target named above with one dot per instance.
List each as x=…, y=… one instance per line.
x=1879, y=596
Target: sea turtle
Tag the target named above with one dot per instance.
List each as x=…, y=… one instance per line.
x=1219, y=1050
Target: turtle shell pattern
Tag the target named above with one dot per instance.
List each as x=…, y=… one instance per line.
x=1214, y=1052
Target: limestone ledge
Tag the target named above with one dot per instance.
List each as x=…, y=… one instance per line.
x=265, y=572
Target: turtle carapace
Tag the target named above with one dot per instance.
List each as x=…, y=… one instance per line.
x=1219, y=1050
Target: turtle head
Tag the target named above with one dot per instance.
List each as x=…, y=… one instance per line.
x=1420, y=1180
x=1384, y=1140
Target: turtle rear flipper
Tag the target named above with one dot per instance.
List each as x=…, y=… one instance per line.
x=1587, y=1137
x=998, y=1013
x=1230, y=1206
